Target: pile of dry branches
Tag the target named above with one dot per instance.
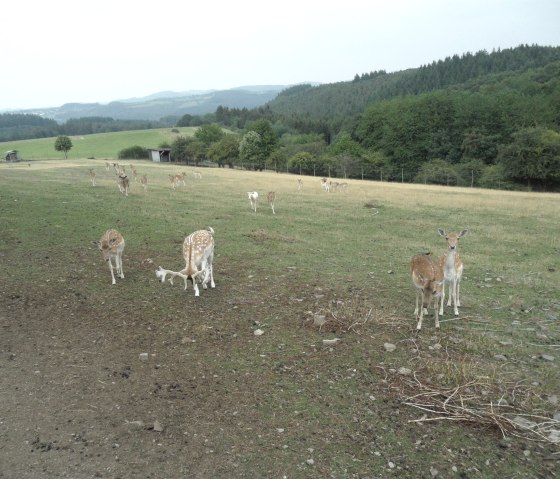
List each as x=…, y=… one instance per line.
x=464, y=403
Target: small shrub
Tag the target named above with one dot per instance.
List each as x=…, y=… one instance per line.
x=133, y=153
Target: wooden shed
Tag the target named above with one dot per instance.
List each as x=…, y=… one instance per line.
x=160, y=155
x=12, y=156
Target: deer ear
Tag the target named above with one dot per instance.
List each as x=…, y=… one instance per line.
x=96, y=243
x=441, y=232
x=463, y=233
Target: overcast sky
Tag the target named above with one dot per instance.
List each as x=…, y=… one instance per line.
x=62, y=51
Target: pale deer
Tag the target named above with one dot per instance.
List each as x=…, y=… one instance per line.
x=427, y=277
x=253, y=199
x=123, y=184
x=198, y=251
x=144, y=182
x=111, y=246
x=107, y=166
x=92, y=176
x=197, y=175
x=325, y=185
x=134, y=173
x=271, y=197
x=452, y=269
x=300, y=184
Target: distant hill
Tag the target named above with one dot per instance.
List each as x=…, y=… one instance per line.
x=164, y=104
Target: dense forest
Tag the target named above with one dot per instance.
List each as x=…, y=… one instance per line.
x=482, y=119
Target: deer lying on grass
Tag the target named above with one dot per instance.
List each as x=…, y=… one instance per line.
x=144, y=182
x=253, y=199
x=271, y=197
x=92, y=176
x=111, y=246
x=452, y=269
x=427, y=276
x=123, y=183
x=198, y=251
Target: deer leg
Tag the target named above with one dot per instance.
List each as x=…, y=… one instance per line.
x=442, y=298
x=113, y=281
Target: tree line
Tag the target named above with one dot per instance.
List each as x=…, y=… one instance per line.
x=484, y=119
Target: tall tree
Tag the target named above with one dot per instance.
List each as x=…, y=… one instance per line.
x=63, y=143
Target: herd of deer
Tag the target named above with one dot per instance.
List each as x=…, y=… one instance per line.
x=429, y=274
x=124, y=183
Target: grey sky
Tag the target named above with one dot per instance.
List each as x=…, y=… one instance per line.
x=61, y=51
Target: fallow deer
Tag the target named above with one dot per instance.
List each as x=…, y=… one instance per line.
x=92, y=176
x=300, y=184
x=144, y=182
x=325, y=185
x=271, y=197
x=427, y=277
x=198, y=251
x=452, y=269
x=111, y=246
x=253, y=199
x=123, y=183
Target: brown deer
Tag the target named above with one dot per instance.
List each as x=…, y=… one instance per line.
x=92, y=176
x=452, y=269
x=144, y=182
x=124, y=183
x=198, y=251
x=427, y=277
x=111, y=246
x=271, y=197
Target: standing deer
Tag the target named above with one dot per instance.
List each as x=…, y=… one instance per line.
x=427, y=276
x=111, y=246
x=144, y=182
x=198, y=251
x=300, y=184
x=253, y=198
x=92, y=176
x=123, y=184
x=271, y=197
x=452, y=269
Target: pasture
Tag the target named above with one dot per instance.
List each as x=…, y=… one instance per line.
x=143, y=379
x=100, y=145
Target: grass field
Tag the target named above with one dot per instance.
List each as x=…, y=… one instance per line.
x=215, y=400
x=102, y=145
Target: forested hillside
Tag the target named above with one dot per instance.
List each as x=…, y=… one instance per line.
x=343, y=99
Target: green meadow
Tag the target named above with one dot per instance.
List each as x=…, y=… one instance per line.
x=102, y=145
x=321, y=392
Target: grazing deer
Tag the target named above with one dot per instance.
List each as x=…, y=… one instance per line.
x=92, y=176
x=111, y=246
x=253, y=199
x=427, y=276
x=452, y=269
x=333, y=185
x=271, y=197
x=144, y=182
x=300, y=184
x=123, y=184
x=198, y=251
x=325, y=185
